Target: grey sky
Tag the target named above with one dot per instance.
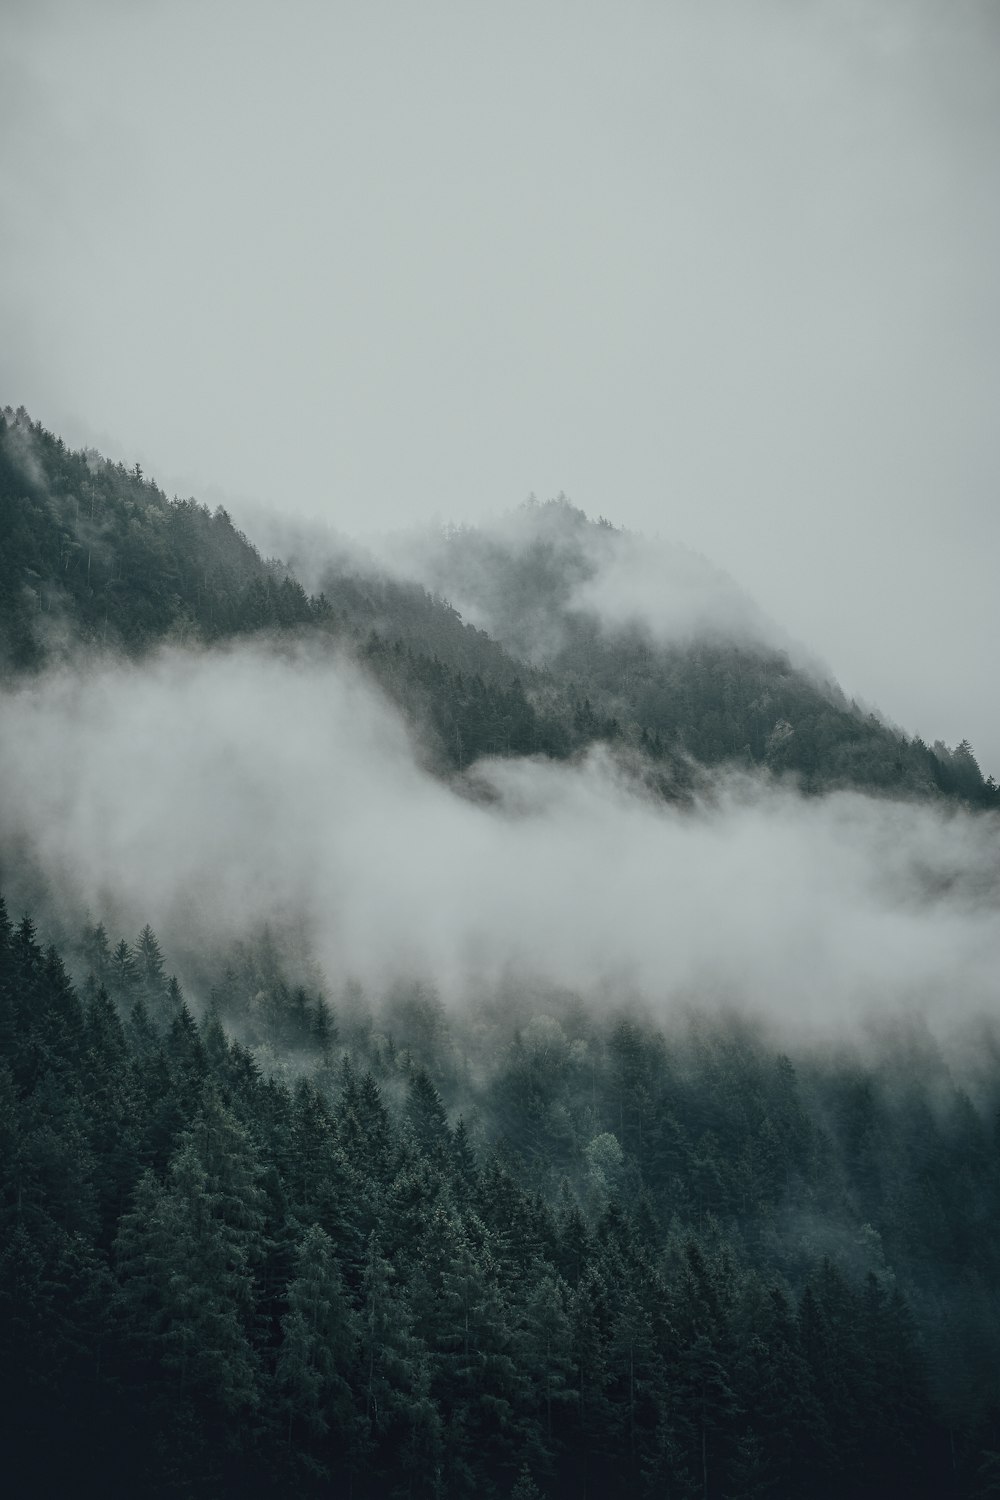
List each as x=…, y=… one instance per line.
x=724, y=271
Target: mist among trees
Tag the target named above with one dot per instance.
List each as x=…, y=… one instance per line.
x=474, y=1032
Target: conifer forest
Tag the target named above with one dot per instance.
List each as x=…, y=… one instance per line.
x=352, y=1146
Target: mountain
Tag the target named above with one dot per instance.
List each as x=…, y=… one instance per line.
x=95, y=555
x=489, y=1019
x=652, y=640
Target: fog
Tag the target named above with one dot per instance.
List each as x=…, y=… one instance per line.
x=561, y=566
x=205, y=793
x=524, y=574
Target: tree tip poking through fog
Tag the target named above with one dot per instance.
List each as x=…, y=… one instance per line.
x=223, y=789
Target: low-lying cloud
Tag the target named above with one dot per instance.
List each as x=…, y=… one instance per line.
x=671, y=594
x=522, y=575
x=206, y=792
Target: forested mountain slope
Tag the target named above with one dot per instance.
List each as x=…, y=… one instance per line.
x=447, y=1256
x=515, y=1134
x=95, y=555
x=654, y=637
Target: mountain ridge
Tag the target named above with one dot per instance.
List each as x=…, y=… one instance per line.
x=96, y=554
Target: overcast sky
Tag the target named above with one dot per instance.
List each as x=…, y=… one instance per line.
x=727, y=272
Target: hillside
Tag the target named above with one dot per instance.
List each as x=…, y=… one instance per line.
x=499, y=1025
x=380, y=1250
x=669, y=648
x=95, y=555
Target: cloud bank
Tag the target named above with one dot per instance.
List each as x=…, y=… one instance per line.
x=526, y=575
x=204, y=793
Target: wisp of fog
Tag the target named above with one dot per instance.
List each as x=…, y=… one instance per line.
x=207, y=792
x=523, y=575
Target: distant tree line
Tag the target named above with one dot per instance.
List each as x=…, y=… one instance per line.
x=95, y=555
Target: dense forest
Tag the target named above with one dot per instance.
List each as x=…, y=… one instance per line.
x=271, y=1232
x=427, y=1255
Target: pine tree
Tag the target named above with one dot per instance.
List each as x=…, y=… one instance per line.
x=426, y=1115
x=97, y=951
x=112, y=1107
x=149, y=963
x=401, y=1422
x=186, y=1255
x=323, y=1028
x=123, y=973
x=315, y=1361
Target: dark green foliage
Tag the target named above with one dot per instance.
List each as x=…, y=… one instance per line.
x=315, y=1362
x=741, y=1277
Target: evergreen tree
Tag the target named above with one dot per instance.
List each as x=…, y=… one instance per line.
x=315, y=1362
